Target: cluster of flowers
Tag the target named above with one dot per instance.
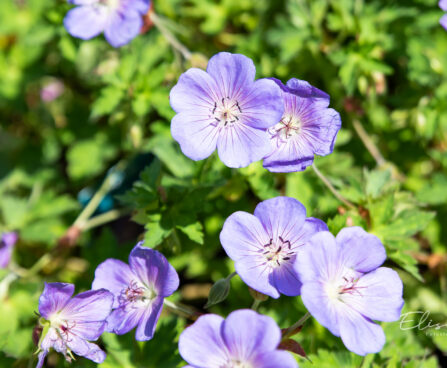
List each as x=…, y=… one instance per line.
x=248, y=120
x=276, y=251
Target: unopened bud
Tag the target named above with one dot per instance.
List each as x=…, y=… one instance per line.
x=219, y=292
x=257, y=295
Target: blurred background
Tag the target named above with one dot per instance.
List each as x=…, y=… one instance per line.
x=82, y=120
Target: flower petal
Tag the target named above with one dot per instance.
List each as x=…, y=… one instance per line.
x=54, y=297
x=359, y=334
x=239, y=145
x=304, y=89
x=201, y=344
x=286, y=280
x=275, y=359
x=281, y=216
x=89, y=306
x=262, y=105
x=124, y=319
x=443, y=4
x=320, y=306
x=86, y=22
x=319, y=259
x=379, y=295
x=113, y=275
x=146, y=326
x=360, y=250
x=443, y=21
x=232, y=73
x=196, y=134
x=195, y=91
x=329, y=125
x=123, y=26
x=154, y=270
x=86, y=349
x=246, y=332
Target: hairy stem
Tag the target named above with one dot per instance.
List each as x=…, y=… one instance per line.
x=291, y=330
x=334, y=191
x=175, y=43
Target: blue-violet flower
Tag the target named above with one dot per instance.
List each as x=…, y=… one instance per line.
x=7, y=242
x=139, y=289
x=345, y=288
x=264, y=246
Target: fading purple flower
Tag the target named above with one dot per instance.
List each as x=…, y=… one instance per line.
x=120, y=20
x=245, y=339
x=139, y=289
x=345, y=289
x=69, y=323
x=7, y=242
x=51, y=90
x=265, y=246
x=307, y=128
x=226, y=108
x=443, y=20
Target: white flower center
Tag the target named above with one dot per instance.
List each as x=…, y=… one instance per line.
x=237, y=364
x=112, y=4
x=225, y=112
x=288, y=127
x=277, y=253
x=344, y=284
x=136, y=292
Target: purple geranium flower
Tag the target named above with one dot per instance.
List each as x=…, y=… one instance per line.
x=443, y=20
x=120, y=20
x=307, y=128
x=345, y=289
x=245, y=339
x=70, y=322
x=7, y=242
x=226, y=108
x=139, y=289
x=265, y=246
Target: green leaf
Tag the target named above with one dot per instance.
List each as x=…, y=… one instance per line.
x=375, y=182
x=194, y=231
x=157, y=229
x=108, y=100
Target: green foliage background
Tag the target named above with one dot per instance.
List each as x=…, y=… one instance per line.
x=383, y=63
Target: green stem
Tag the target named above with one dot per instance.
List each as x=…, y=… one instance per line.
x=255, y=304
x=334, y=191
x=231, y=275
x=291, y=330
x=180, y=309
x=175, y=43
x=104, y=218
x=369, y=144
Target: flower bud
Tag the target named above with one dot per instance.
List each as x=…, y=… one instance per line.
x=219, y=292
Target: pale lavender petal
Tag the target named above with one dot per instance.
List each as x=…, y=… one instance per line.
x=54, y=298
x=196, y=134
x=359, y=334
x=232, y=73
x=154, y=270
x=286, y=280
x=304, y=89
x=281, y=217
x=86, y=22
x=41, y=358
x=89, y=306
x=275, y=359
x=195, y=91
x=246, y=332
x=123, y=26
x=86, y=349
x=443, y=21
x=318, y=304
x=142, y=6
x=113, y=275
x=360, y=250
x=262, y=105
x=146, y=326
x=243, y=237
x=379, y=295
x=83, y=2
x=290, y=156
x=87, y=330
x=239, y=145
x=443, y=4
x=318, y=259
x=124, y=318
x=201, y=344
x=330, y=124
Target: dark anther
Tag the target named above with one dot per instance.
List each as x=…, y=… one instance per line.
x=215, y=107
x=237, y=104
x=223, y=99
x=217, y=119
x=279, y=250
x=232, y=121
x=269, y=244
x=286, y=258
x=279, y=264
